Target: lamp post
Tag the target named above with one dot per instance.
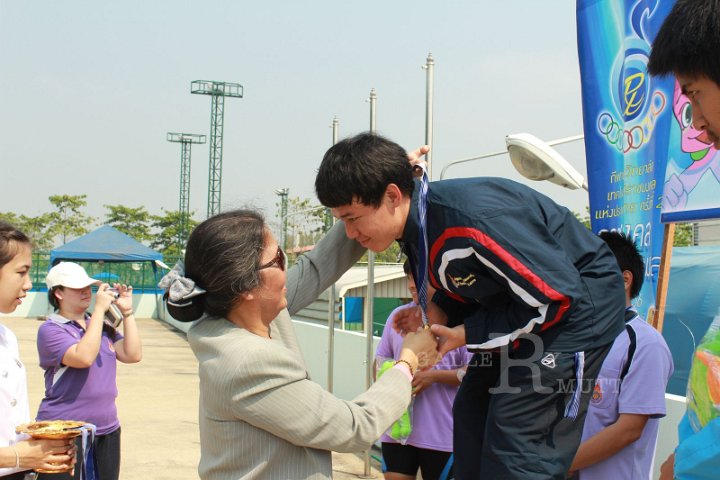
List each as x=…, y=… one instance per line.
x=429, y=68
x=329, y=221
x=283, y=194
x=369, y=299
x=535, y=160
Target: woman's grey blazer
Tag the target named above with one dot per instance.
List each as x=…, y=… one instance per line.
x=260, y=414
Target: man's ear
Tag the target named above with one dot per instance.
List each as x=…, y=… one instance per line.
x=393, y=194
x=627, y=279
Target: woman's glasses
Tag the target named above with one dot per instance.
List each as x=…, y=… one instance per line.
x=278, y=261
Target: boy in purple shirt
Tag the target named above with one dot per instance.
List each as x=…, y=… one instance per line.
x=621, y=426
x=430, y=444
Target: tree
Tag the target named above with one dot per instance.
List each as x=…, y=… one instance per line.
x=36, y=228
x=168, y=228
x=683, y=235
x=584, y=219
x=68, y=220
x=305, y=222
x=392, y=254
x=135, y=222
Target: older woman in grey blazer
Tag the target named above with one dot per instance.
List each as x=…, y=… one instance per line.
x=260, y=415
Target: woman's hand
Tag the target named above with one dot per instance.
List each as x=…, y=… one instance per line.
x=104, y=297
x=124, y=300
x=52, y=455
x=415, y=159
x=419, y=349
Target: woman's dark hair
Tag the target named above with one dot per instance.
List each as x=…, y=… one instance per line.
x=52, y=299
x=222, y=257
x=10, y=238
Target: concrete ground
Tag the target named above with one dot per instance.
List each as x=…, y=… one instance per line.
x=157, y=404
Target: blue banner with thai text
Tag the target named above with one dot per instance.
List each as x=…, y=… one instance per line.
x=625, y=125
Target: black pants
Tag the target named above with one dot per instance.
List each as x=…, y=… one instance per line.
x=107, y=459
x=408, y=459
x=520, y=431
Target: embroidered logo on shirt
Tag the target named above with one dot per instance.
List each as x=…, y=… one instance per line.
x=597, y=394
x=548, y=360
x=463, y=282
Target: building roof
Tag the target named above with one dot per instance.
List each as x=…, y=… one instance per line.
x=358, y=277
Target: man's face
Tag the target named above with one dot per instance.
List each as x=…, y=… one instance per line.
x=374, y=228
x=704, y=96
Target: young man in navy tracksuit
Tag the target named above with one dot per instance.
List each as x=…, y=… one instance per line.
x=526, y=286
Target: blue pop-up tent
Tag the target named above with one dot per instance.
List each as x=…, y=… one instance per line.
x=107, y=244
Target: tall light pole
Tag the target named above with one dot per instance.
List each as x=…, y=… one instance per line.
x=429, y=68
x=283, y=194
x=329, y=221
x=186, y=139
x=369, y=299
x=218, y=91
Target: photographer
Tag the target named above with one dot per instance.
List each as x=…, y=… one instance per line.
x=79, y=354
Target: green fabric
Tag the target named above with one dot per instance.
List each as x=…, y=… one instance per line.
x=402, y=428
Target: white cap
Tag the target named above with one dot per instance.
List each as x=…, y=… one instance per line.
x=69, y=274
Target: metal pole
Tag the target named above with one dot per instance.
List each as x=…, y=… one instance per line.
x=369, y=299
x=331, y=293
x=429, y=68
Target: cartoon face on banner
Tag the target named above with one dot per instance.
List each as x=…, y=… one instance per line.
x=694, y=173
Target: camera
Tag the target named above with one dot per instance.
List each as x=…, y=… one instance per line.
x=113, y=316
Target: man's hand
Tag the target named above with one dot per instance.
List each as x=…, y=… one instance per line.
x=407, y=319
x=448, y=338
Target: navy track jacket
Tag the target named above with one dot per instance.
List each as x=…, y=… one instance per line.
x=508, y=261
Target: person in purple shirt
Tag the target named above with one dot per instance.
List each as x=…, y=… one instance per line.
x=79, y=353
x=621, y=427
x=429, y=445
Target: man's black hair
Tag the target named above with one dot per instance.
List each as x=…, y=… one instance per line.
x=689, y=41
x=628, y=258
x=361, y=168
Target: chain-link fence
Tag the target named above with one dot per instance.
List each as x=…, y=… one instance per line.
x=140, y=275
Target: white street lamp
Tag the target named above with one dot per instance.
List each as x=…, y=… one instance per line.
x=537, y=160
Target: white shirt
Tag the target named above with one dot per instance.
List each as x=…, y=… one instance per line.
x=14, y=405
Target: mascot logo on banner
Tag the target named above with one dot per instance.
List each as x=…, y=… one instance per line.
x=626, y=197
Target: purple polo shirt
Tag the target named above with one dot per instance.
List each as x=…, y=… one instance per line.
x=432, y=418
x=642, y=392
x=84, y=394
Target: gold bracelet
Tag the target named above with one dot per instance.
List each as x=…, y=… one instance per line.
x=127, y=313
x=412, y=372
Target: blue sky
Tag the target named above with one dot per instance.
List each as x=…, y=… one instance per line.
x=89, y=89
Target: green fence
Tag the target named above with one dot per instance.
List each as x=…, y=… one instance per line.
x=138, y=274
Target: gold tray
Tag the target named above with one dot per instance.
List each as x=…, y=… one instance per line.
x=51, y=429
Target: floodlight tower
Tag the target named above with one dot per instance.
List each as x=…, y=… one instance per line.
x=186, y=139
x=218, y=91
